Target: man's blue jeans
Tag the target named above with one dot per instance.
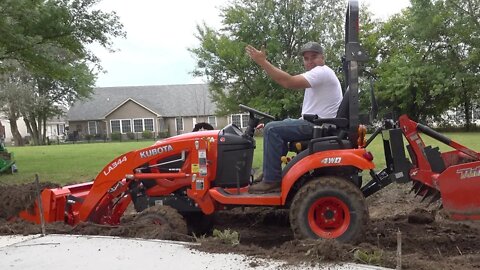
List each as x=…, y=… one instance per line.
x=276, y=136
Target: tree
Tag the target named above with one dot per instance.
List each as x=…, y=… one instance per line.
x=427, y=61
x=464, y=33
x=369, y=36
x=14, y=92
x=282, y=26
x=48, y=40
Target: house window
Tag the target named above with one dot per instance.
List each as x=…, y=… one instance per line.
x=240, y=120
x=245, y=118
x=179, y=123
x=162, y=125
x=92, y=127
x=212, y=120
x=61, y=129
x=138, y=125
x=115, y=124
x=148, y=124
x=126, y=126
x=237, y=120
x=476, y=112
x=194, y=122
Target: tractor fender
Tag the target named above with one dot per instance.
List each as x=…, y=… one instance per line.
x=331, y=158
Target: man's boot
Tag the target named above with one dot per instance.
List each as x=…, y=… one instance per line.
x=264, y=187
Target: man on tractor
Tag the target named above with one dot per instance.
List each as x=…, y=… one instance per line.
x=322, y=97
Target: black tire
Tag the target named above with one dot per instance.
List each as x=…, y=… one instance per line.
x=329, y=207
x=166, y=218
x=198, y=223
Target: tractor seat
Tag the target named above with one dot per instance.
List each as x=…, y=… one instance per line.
x=334, y=128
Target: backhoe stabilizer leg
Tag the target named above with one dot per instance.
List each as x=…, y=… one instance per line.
x=379, y=181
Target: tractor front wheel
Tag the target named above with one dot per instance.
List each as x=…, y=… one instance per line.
x=329, y=207
x=198, y=223
x=161, y=220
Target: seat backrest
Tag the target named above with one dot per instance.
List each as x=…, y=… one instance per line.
x=343, y=110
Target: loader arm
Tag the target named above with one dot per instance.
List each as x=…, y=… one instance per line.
x=105, y=199
x=111, y=186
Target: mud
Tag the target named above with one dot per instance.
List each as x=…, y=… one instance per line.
x=429, y=241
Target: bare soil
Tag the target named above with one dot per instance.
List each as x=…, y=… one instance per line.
x=15, y=198
x=429, y=240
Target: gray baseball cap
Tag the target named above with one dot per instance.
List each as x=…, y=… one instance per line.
x=311, y=47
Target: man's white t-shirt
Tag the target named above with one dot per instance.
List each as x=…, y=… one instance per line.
x=325, y=94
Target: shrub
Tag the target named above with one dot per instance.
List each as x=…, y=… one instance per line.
x=227, y=237
x=147, y=134
x=89, y=137
x=163, y=134
x=130, y=135
x=116, y=136
x=100, y=136
x=373, y=257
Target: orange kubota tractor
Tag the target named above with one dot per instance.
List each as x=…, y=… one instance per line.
x=202, y=172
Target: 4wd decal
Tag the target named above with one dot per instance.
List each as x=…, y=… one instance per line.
x=156, y=151
x=114, y=165
x=469, y=172
x=332, y=160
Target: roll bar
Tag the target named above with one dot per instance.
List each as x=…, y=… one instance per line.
x=354, y=53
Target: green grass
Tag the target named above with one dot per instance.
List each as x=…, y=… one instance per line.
x=82, y=162
x=467, y=139
x=68, y=163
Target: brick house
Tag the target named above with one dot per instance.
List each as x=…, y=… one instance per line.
x=165, y=110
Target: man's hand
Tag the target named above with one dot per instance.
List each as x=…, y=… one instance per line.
x=279, y=76
x=258, y=56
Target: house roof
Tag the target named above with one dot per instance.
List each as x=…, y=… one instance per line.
x=60, y=118
x=164, y=100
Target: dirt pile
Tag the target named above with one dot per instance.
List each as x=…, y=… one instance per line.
x=129, y=229
x=16, y=198
x=429, y=241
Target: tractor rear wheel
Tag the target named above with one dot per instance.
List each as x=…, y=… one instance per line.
x=165, y=219
x=329, y=207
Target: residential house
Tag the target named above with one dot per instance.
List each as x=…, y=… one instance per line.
x=56, y=127
x=166, y=110
x=455, y=117
x=6, y=134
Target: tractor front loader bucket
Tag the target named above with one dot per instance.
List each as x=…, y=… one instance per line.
x=59, y=204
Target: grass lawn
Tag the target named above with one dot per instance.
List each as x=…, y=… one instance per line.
x=67, y=163
x=82, y=162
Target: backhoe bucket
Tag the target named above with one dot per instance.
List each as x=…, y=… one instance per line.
x=459, y=186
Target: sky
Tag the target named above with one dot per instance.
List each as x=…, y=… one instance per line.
x=159, y=33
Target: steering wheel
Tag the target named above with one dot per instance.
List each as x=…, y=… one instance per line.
x=253, y=122
x=253, y=111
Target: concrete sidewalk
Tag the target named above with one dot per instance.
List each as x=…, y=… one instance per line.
x=71, y=252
